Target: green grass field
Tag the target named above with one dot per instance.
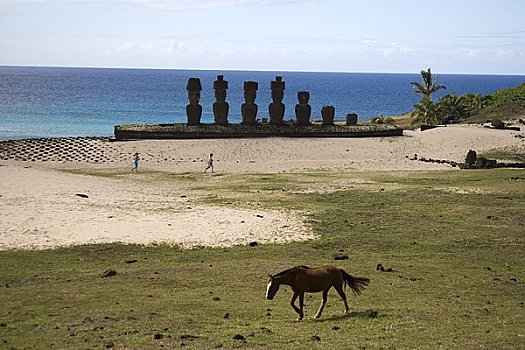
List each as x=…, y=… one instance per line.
x=454, y=240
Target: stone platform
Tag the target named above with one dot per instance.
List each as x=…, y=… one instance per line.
x=211, y=131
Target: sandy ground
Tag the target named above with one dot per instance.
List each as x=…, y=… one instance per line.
x=40, y=208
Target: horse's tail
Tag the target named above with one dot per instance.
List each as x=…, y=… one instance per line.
x=357, y=284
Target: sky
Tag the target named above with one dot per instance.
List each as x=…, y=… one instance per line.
x=397, y=36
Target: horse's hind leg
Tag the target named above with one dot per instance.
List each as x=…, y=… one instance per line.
x=292, y=303
x=323, y=303
x=341, y=292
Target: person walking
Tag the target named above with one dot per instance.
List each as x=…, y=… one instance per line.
x=135, y=162
x=210, y=163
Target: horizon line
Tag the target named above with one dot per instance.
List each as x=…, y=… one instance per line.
x=248, y=70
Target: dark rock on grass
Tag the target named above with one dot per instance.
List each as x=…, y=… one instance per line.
x=381, y=268
x=340, y=256
x=253, y=244
x=265, y=330
x=158, y=336
x=131, y=261
x=239, y=337
x=109, y=345
x=108, y=273
x=315, y=338
x=188, y=337
x=81, y=195
x=226, y=315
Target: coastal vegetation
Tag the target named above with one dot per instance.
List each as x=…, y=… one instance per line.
x=450, y=243
x=470, y=108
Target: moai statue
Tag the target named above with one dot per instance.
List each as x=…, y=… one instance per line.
x=277, y=107
x=249, y=108
x=351, y=119
x=220, y=107
x=194, y=109
x=328, y=114
x=303, y=110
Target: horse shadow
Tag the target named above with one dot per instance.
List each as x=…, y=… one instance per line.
x=362, y=314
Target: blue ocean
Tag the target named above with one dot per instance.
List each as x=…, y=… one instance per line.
x=55, y=102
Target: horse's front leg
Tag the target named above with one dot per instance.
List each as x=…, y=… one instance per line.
x=323, y=303
x=292, y=303
x=301, y=305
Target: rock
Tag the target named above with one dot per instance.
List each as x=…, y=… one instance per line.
x=158, y=336
x=470, y=159
x=108, y=273
x=265, y=330
x=81, y=195
x=253, y=244
x=131, y=261
x=497, y=124
x=340, y=256
x=188, y=337
x=315, y=338
x=239, y=337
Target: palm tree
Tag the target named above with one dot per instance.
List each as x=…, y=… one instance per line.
x=426, y=112
x=453, y=108
x=476, y=102
x=429, y=85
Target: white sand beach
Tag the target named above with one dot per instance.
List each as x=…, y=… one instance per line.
x=40, y=208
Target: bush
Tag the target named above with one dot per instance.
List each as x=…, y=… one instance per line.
x=382, y=120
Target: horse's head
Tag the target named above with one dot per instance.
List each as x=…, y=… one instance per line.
x=272, y=288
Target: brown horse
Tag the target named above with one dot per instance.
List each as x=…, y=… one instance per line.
x=304, y=279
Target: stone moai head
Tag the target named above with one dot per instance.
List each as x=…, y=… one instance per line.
x=277, y=86
x=250, y=91
x=220, y=86
x=304, y=97
x=194, y=88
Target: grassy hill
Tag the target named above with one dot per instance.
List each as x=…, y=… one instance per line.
x=506, y=104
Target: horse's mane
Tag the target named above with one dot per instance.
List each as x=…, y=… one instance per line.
x=293, y=269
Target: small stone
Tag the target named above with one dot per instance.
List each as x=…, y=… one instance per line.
x=109, y=273
x=158, y=336
x=315, y=338
x=253, y=244
x=340, y=256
